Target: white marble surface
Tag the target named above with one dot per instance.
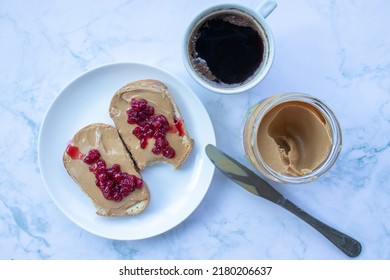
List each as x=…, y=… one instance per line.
x=337, y=51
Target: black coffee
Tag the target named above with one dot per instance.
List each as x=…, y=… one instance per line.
x=230, y=46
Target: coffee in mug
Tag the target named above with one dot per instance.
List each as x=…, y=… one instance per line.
x=229, y=48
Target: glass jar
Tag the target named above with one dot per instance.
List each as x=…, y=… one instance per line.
x=291, y=138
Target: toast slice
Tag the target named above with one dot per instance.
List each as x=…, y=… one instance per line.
x=95, y=150
x=150, y=124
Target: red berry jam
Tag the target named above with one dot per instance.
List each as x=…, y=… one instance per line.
x=179, y=126
x=152, y=126
x=114, y=184
x=91, y=157
x=74, y=152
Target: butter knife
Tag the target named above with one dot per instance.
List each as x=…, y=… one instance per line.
x=257, y=186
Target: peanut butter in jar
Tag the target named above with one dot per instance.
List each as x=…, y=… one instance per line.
x=291, y=138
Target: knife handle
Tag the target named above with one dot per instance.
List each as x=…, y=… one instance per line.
x=345, y=243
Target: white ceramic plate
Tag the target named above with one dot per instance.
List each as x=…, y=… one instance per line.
x=175, y=194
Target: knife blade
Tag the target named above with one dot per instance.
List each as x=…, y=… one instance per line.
x=247, y=179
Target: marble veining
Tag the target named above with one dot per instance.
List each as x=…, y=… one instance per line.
x=337, y=51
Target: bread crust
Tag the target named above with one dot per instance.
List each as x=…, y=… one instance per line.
x=120, y=103
x=106, y=139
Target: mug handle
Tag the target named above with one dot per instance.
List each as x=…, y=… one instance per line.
x=266, y=7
